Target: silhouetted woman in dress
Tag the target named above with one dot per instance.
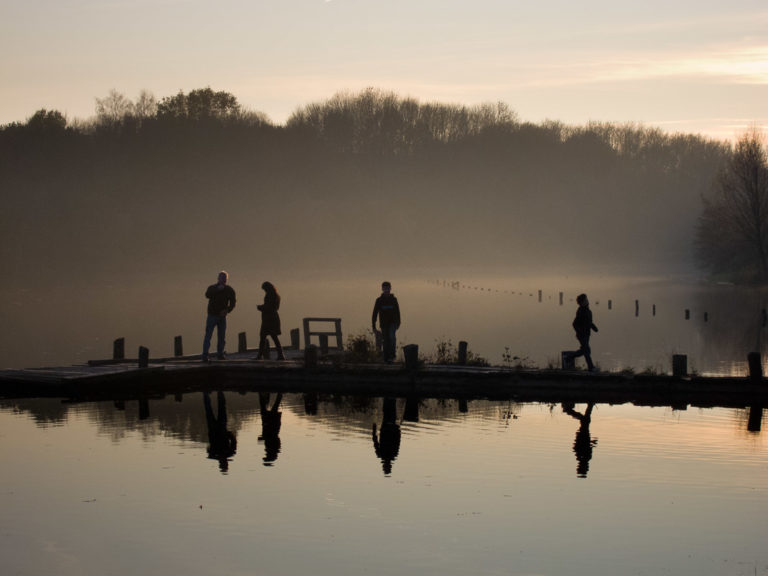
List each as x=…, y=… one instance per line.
x=270, y=322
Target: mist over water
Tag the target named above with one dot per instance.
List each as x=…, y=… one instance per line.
x=503, y=319
x=116, y=229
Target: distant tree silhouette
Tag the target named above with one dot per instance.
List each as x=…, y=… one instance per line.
x=200, y=104
x=47, y=121
x=732, y=235
x=381, y=123
x=443, y=183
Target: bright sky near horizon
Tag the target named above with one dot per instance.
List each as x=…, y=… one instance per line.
x=696, y=66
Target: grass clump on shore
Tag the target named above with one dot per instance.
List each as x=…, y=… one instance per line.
x=361, y=348
x=446, y=354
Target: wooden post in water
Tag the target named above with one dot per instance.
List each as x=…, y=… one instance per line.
x=178, y=347
x=706, y=316
x=539, y=295
x=755, y=419
x=310, y=356
x=561, y=298
x=679, y=365
x=242, y=342
x=295, y=339
x=654, y=309
x=118, y=349
x=143, y=357
x=323, y=344
x=755, y=366
x=610, y=304
x=411, y=353
x=687, y=314
x=462, y=352
x=637, y=308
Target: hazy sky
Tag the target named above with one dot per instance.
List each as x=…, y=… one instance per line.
x=683, y=65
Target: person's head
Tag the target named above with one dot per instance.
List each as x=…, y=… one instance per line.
x=268, y=287
x=223, y=277
x=582, y=300
x=386, y=287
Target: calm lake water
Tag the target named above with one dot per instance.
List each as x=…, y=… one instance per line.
x=348, y=486
x=642, y=321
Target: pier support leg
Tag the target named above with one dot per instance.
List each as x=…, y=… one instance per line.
x=242, y=342
x=411, y=353
x=118, y=349
x=462, y=353
x=679, y=365
x=143, y=357
x=755, y=366
x=310, y=356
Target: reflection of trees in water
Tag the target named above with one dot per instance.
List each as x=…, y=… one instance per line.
x=735, y=324
x=182, y=418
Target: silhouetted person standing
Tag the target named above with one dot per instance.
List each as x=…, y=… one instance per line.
x=387, y=444
x=222, y=443
x=221, y=301
x=583, y=326
x=387, y=310
x=270, y=322
x=583, y=444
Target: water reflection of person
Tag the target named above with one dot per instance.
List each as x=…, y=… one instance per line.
x=271, y=419
x=583, y=444
x=387, y=444
x=222, y=443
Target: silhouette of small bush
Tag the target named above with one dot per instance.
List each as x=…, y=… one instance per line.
x=446, y=353
x=361, y=348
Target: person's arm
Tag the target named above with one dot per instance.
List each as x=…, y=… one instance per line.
x=232, y=300
x=375, y=314
x=397, y=314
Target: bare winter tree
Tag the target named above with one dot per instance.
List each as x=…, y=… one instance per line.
x=145, y=105
x=113, y=108
x=732, y=235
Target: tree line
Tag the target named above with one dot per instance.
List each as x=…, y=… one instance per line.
x=361, y=179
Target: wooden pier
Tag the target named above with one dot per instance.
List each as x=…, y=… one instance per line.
x=124, y=378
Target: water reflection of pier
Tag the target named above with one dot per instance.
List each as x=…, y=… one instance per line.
x=219, y=426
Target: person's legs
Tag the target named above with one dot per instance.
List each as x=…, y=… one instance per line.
x=210, y=322
x=221, y=332
x=390, y=342
x=278, y=347
x=585, y=351
x=263, y=345
x=385, y=337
